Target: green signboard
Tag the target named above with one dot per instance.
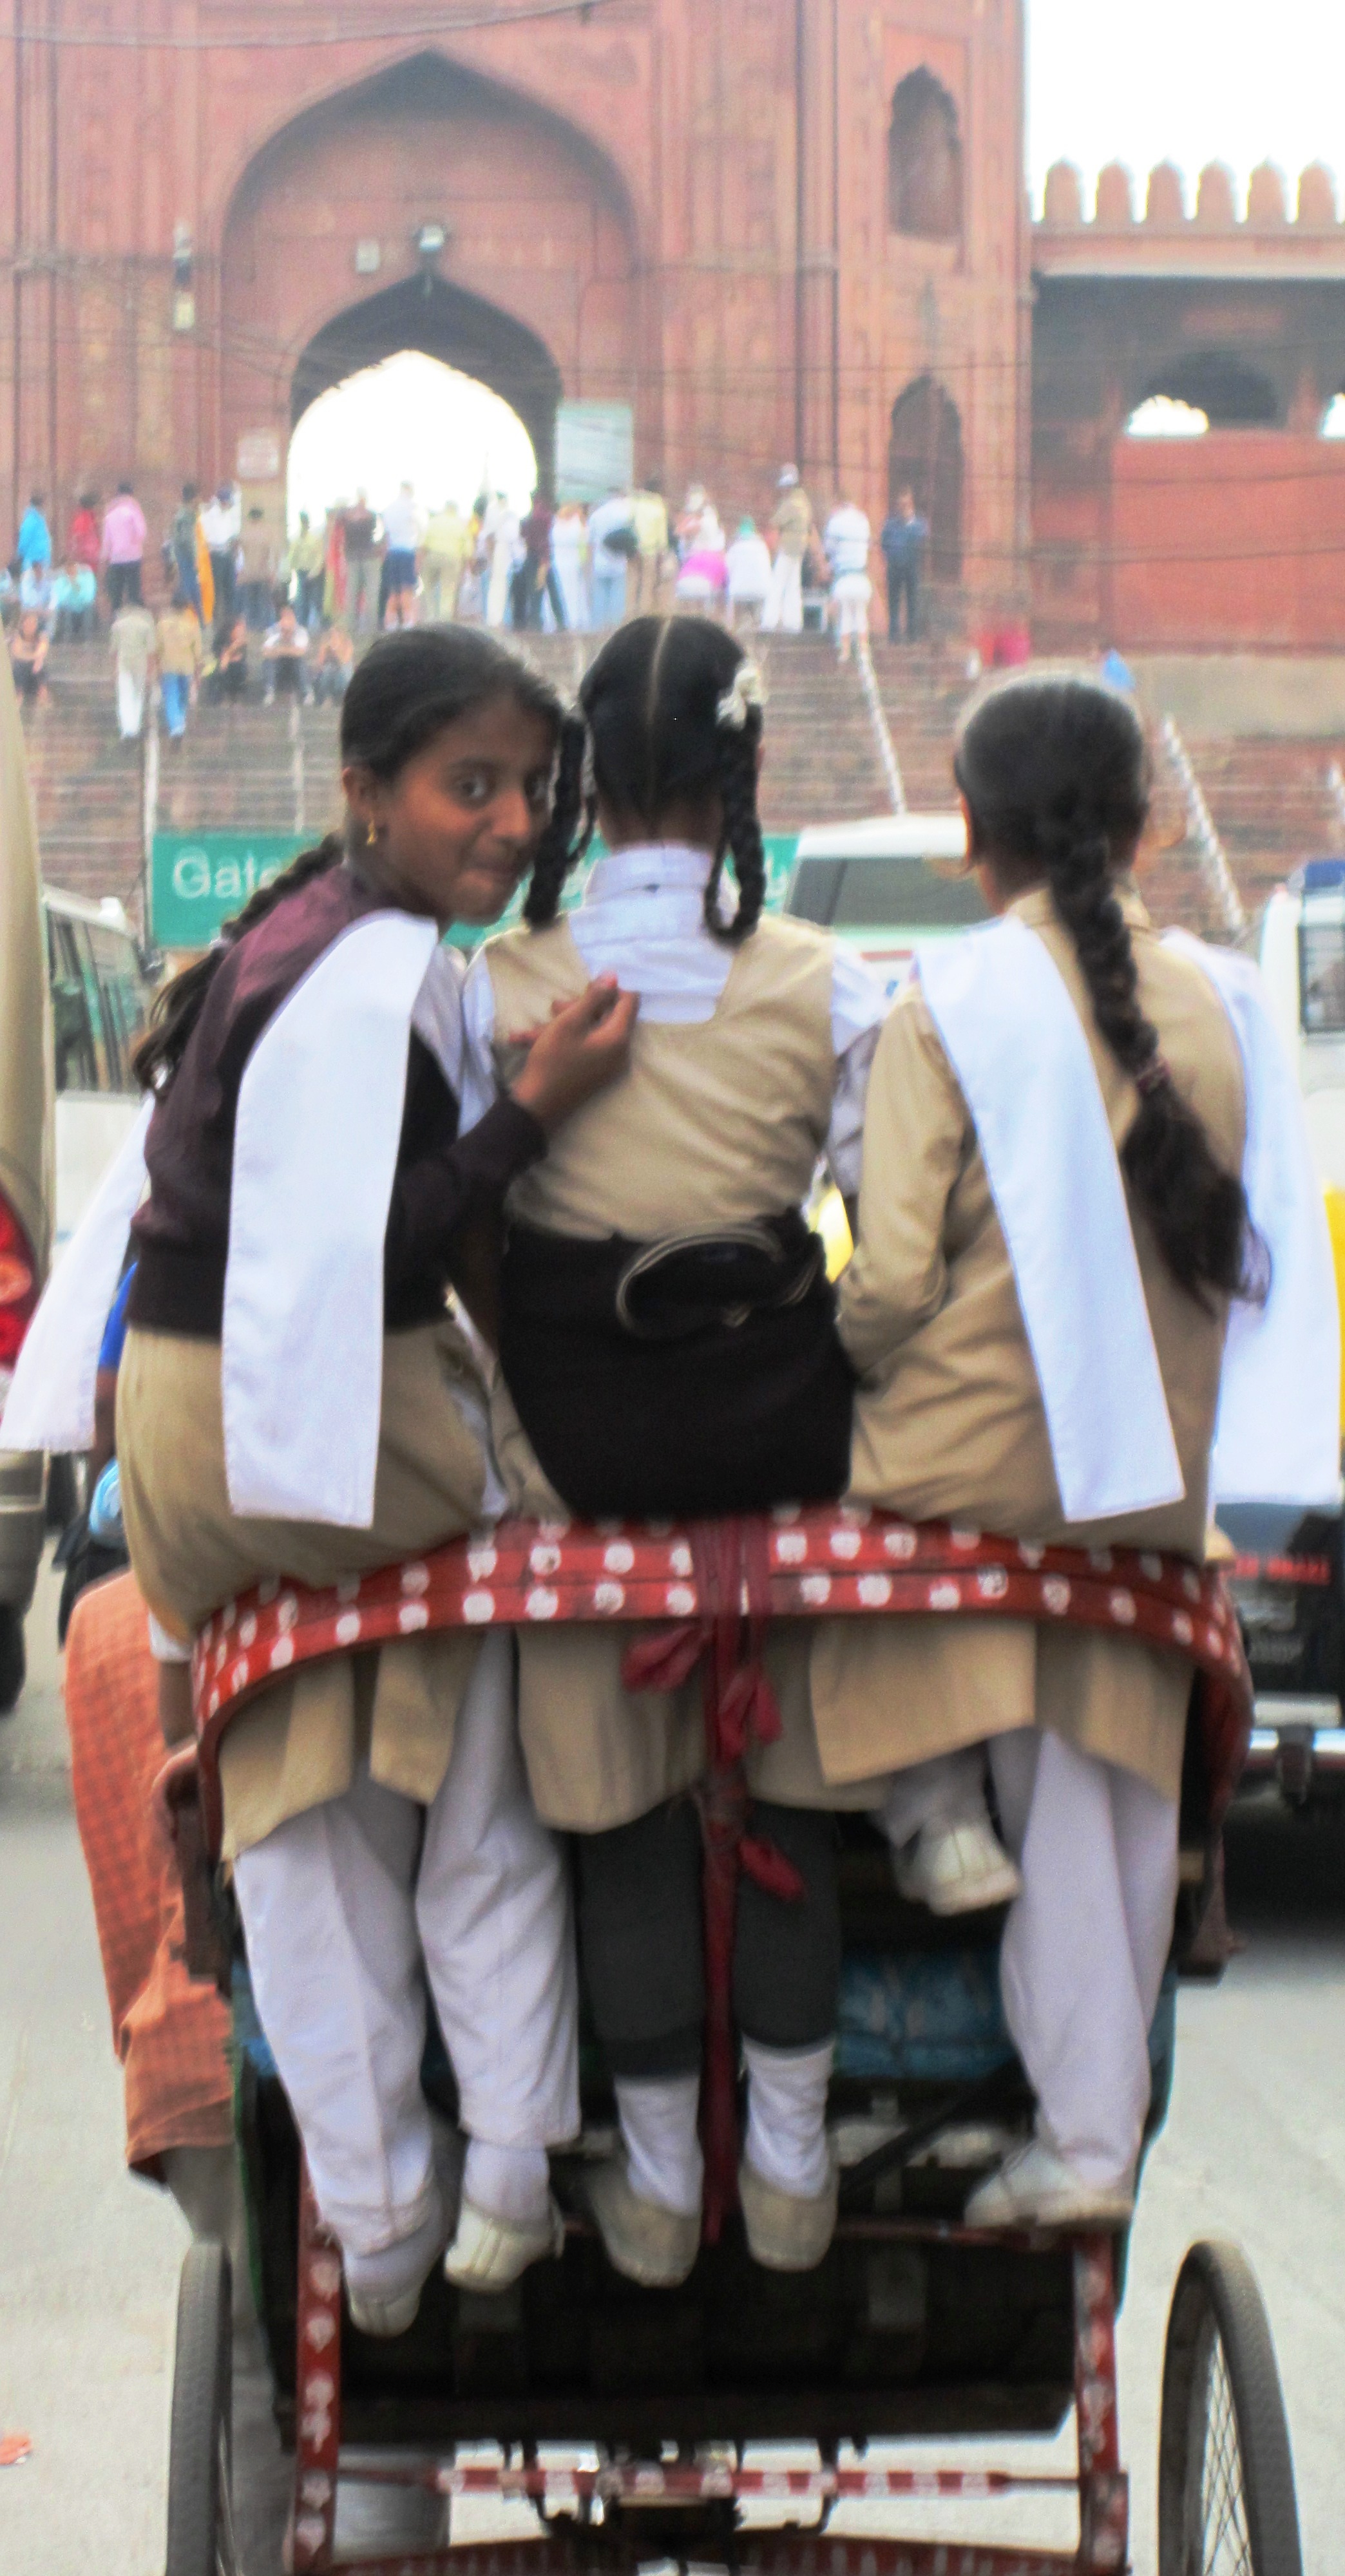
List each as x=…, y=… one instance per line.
x=200, y=880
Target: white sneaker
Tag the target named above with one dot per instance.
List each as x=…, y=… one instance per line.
x=376, y=2306
x=956, y=1869
x=1035, y=2187
x=785, y=2232
x=489, y=2253
x=384, y=2317
x=643, y=2240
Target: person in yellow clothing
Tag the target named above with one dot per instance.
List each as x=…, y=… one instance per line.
x=179, y=656
x=442, y=558
x=649, y=518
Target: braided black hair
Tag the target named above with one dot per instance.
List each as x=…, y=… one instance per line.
x=649, y=708
x=1056, y=776
x=408, y=687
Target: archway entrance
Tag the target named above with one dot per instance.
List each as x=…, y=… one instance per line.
x=408, y=420
x=462, y=331
x=925, y=457
x=427, y=208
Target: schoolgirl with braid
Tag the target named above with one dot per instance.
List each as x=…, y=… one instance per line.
x=294, y=1400
x=1052, y=1231
x=668, y=1347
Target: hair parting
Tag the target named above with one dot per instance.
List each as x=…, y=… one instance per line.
x=651, y=714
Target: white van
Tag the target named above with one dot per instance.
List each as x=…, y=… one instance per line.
x=1302, y=956
x=100, y=997
x=887, y=888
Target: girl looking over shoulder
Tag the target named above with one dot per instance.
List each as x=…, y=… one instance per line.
x=294, y=1401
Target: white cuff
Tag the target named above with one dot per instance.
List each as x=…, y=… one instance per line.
x=166, y=1649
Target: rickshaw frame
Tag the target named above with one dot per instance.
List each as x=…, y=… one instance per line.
x=615, y=2513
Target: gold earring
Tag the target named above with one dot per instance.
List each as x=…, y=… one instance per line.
x=370, y=838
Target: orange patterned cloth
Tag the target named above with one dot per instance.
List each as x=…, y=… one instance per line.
x=170, y=2033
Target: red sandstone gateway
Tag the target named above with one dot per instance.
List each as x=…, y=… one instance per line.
x=635, y=2423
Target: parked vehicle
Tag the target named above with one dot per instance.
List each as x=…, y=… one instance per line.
x=1289, y=1576
x=886, y=888
x=99, y=998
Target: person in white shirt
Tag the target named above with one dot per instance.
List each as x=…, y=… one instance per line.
x=499, y=543
x=847, y=541
x=749, y=571
x=609, y=562
x=222, y=526
x=284, y=660
x=403, y=529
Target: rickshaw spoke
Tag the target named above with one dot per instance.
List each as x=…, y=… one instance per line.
x=1226, y=2549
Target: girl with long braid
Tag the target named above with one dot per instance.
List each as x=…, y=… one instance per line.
x=1052, y=1232
x=668, y=1348
x=295, y=1401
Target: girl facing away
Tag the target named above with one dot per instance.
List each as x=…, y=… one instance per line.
x=668, y=1347
x=1037, y=1310
x=294, y=1400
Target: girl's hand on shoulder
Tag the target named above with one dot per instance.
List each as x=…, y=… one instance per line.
x=584, y=1047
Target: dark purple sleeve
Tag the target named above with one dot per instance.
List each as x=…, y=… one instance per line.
x=436, y=1192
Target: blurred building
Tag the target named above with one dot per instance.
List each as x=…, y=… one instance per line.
x=771, y=230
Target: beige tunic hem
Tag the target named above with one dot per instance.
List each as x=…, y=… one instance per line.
x=297, y=1744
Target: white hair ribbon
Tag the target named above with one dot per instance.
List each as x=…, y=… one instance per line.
x=748, y=691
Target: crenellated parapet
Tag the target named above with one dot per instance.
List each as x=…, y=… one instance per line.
x=1163, y=227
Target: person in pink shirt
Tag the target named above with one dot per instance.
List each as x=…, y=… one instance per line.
x=123, y=547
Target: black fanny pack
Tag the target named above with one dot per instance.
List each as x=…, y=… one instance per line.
x=697, y=1374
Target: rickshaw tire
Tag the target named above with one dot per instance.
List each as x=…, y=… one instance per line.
x=1218, y=2313
x=200, y=2451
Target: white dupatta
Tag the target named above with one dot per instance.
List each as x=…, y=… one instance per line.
x=1017, y=1046
x=315, y=1154
x=1278, y=1435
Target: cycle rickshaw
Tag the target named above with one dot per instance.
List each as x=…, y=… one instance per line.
x=627, y=2418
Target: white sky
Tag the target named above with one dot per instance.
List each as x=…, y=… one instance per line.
x=411, y=420
x=1185, y=80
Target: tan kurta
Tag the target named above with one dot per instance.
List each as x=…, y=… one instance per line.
x=716, y=1122
x=298, y=1742
x=949, y=1422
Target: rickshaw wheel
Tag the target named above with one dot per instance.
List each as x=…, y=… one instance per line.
x=1226, y=2504
x=200, y=2449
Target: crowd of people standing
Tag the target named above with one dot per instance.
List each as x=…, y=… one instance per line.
x=245, y=606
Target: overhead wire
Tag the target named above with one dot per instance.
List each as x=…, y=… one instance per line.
x=143, y=40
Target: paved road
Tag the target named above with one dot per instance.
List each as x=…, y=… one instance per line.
x=1254, y=2149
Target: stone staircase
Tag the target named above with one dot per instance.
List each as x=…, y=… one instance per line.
x=822, y=761
x=922, y=689
x=252, y=768
x=88, y=785
x=1272, y=805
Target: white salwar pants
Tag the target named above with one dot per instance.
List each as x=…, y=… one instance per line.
x=130, y=703
x=342, y=1929
x=783, y=611
x=1086, y=1943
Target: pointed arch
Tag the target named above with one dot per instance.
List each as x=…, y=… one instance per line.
x=925, y=457
x=924, y=160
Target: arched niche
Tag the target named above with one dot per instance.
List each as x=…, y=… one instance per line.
x=924, y=161
x=1218, y=382
x=925, y=456
x=322, y=268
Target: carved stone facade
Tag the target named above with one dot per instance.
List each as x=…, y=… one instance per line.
x=760, y=222
x=777, y=229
